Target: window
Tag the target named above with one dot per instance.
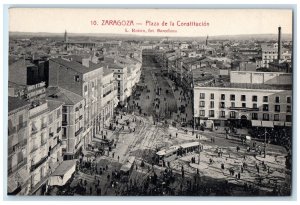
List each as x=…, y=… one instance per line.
x=119, y=76
x=243, y=104
x=202, y=103
x=76, y=78
x=277, y=108
x=265, y=99
x=254, y=116
x=202, y=95
x=232, y=114
x=211, y=113
x=20, y=119
x=233, y=104
x=289, y=118
x=243, y=97
x=276, y=117
x=288, y=108
x=232, y=97
x=277, y=99
x=254, y=98
x=212, y=104
x=222, y=114
x=64, y=133
x=20, y=157
x=265, y=107
x=58, y=113
x=85, y=88
x=288, y=100
x=266, y=116
x=202, y=112
x=222, y=96
x=212, y=96
x=222, y=104
x=64, y=118
x=254, y=105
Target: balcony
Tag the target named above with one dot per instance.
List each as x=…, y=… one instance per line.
x=17, y=167
x=78, y=131
x=80, y=117
x=243, y=108
x=42, y=161
x=22, y=125
x=34, y=131
x=55, y=148
x=44, y=125
x=11, y=131
x=51, y=134
x=18, y=147
x=58, y=130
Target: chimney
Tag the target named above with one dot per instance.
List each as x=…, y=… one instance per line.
x=279, y=44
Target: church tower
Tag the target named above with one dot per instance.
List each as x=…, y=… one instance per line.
x=66, y=36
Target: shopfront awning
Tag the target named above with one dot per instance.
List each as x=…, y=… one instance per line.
x=62, y=173
x=256, y=123
x=12, y=184
x=278, y=123
x=267, y=124
x=17, y=180
x=288, y=124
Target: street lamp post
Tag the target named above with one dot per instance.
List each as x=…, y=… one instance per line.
x=265, y=143
x=199, y=149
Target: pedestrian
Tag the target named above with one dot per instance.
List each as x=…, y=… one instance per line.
x=113, y=154
x=239, y=175
x=118, y=158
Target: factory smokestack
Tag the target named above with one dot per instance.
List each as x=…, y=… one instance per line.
x=279, y=44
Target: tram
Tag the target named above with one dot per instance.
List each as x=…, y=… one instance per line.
x=173, y=152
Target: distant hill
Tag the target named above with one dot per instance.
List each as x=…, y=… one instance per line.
x=262, y=37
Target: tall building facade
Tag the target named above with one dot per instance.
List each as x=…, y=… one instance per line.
x=18, y=164
x=250, y=98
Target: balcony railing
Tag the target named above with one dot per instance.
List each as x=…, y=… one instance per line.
x=34, y=131
x=78, y=131
x=17, y=147
x=44, y=125
x=17, y=167
x=42, y=161
x=34, y=149
x=22, y=125
x=11, y=131
x=244, y=108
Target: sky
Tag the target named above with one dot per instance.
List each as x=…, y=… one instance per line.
x=221, y=21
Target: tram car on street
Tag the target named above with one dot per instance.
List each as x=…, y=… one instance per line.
x=172, y=153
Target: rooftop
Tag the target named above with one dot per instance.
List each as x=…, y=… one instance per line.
x=73, y=65
x=62, y=95
x=52, y=105
x=15, y=103
x=224, y=82
x=107, y=71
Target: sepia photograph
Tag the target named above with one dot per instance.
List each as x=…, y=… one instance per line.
x=149, y=102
